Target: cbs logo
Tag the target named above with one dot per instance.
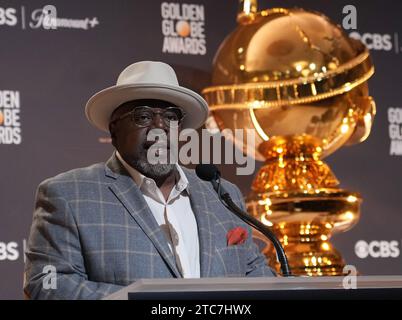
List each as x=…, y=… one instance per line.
x=374, y=41
x=8, y=16
x=377, y=249
x=9, y=251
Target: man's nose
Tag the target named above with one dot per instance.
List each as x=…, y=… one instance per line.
x=159, y=123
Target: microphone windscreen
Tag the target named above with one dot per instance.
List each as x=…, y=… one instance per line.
x=207, y=172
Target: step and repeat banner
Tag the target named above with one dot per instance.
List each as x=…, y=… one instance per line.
x=47, y=74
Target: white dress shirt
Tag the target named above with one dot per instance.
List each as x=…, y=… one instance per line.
x=177, y=210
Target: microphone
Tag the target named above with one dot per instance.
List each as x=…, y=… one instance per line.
x=209, y=172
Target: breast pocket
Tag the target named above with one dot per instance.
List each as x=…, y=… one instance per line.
x=233, y=260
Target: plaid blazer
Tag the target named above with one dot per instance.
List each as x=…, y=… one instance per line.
x=94, y=229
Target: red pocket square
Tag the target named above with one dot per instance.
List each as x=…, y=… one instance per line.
x=237, y=235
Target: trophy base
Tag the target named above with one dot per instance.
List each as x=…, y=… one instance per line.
x=305, y=259
x=304, y=223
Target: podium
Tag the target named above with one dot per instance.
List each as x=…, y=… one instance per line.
x=275, y=288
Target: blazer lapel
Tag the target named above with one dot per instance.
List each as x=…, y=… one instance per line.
x=128, y=193
x=199, y=196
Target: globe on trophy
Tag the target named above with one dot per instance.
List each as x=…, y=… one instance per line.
x=300, y=82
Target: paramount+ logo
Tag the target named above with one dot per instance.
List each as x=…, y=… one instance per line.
x=377, y=249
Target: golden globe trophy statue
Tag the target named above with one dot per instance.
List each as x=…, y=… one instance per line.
x=301, y=83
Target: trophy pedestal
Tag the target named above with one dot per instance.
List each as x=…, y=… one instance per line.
x=296, y=195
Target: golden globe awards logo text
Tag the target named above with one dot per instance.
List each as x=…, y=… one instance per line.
x=10, y=125
x=395, y=131
x=183, y=28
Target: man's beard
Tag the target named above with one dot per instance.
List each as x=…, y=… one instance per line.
x=157, y=160
x=153, y=171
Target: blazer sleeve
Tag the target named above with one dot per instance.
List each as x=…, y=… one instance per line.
x=54, y=267
x=257, y=265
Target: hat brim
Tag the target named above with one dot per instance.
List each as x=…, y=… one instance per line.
x=101, y=105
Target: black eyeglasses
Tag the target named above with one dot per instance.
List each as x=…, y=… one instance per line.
x=143, y=116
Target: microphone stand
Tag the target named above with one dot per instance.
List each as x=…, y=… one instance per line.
x=225, y=197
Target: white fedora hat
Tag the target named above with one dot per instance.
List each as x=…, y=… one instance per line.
x=146, y=80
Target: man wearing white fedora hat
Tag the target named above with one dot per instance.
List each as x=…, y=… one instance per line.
x=100, y=228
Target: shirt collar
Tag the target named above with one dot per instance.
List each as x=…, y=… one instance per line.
x=140, y=179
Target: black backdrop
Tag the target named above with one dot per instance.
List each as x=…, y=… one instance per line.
x=54, y=72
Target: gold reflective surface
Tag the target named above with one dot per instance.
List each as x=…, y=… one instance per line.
x=301, y=83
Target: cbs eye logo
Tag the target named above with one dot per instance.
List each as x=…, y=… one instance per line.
x=8, y=16
x=377, y=249
x=374, y=41
x=8, y=251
